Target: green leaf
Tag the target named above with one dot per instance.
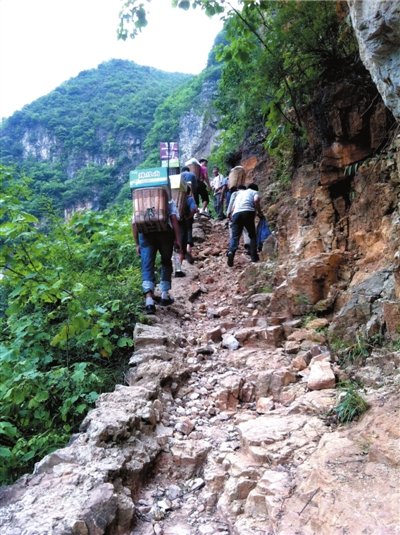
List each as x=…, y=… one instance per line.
x=125, y=342
x=5, y=453
x=42, y=395
x=79, y=409
x=78, y=287
x=78, y=375
x=184, y=4
x=61, y=336
x=27, y=218
x=8, y=429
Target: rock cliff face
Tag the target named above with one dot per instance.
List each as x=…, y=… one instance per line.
x=338, y=225
x=377, y=27
x=40, y=143
x=89, y=132
x=198, y=127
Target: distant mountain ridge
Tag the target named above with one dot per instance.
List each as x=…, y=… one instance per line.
x=80, y=140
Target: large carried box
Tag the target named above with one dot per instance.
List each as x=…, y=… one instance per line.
x=237, y=177
x=150, y=209
x=179, y=195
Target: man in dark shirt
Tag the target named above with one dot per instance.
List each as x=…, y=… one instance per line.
x=191, y=180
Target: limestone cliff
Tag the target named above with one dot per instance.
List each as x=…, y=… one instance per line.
x=86, y=135
x=198, y=127
x=377, y=27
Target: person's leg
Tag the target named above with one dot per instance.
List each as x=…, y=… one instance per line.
x=249, y=224
x=246, y=240
x=165, y=243
x=196, y=196
x=236, y=230
x=188, y=251
x=189, y=226
x=147, y=258
x=203, y=193
x=200, y=195
x=220, y=212
x=183, y=235
x=206, y=199
x=216, y=203
x=224, y=205
x=219, y=206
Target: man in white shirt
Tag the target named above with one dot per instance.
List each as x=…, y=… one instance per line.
x=242, y=212
x=219, y=186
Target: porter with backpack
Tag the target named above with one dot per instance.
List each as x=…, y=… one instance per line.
x=155, y=229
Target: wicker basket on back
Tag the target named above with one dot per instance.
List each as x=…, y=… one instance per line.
x=237, y=177
x=150, y=209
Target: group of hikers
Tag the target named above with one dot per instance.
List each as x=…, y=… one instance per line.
x=239, y=204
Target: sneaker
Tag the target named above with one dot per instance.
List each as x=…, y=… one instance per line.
x=150, y=309
x=180, y=273
x=230, y=256
x=166, y=302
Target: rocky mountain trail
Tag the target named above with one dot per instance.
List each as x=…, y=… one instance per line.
x=225, y=425
x=260, y=397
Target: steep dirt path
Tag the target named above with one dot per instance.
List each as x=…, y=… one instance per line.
x=249, y=449
x=203, y=410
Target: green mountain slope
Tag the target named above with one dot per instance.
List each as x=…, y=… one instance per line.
x=79, y=141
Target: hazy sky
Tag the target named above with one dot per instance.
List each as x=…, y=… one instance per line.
x=45, y=42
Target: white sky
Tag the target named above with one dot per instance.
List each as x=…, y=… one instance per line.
x=45, y=42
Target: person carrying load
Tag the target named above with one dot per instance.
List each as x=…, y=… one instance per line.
x=155, y=229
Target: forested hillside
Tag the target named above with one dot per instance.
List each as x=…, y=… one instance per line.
x=79, y=142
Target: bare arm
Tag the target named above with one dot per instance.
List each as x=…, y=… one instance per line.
x=231, y=205
x=175, y=226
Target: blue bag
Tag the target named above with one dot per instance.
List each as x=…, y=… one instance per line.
x=263, y=231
